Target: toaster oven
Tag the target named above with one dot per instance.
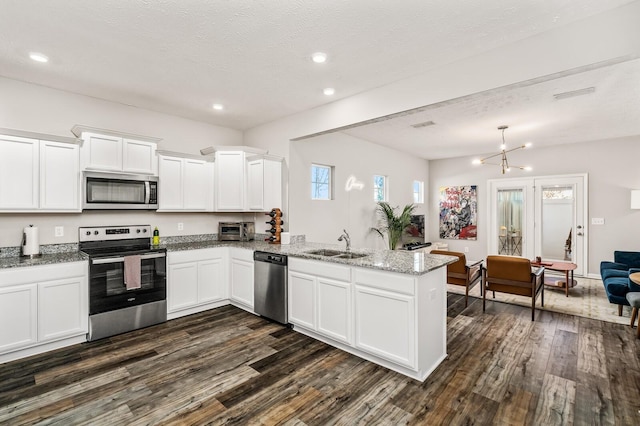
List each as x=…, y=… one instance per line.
x=236, y=231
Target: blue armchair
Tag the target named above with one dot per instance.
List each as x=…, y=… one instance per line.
x=615, y=276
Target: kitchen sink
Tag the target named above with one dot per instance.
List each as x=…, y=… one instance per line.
x=336, y=253
x=325, y=252
x=350, y=256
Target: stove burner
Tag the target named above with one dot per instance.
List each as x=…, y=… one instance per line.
x=415, y=246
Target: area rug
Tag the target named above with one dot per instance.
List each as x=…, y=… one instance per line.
x=587, y=299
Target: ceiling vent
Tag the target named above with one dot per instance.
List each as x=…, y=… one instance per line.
x=424, y=124
x=574, y=93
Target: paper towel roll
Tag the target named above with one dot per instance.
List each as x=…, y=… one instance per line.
x=30, y=241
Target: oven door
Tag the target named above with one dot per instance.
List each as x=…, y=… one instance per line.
x=108, y=292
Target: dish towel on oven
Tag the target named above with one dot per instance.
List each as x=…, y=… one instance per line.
x=132, y=272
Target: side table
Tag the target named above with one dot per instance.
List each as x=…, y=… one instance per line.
x=565, y=267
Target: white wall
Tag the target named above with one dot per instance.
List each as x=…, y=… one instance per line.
x=323, y=221
x=39, y=109
x=612, y=173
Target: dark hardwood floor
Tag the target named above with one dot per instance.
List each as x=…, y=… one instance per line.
x=226, y=366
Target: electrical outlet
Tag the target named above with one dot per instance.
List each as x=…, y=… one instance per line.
x=59, y=231
x=180, y=226
x=466, y=249
x=597, y=220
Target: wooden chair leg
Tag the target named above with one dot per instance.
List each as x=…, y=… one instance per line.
x=533, y=307
x=466, y=297
x=634, y=313
x=484, y=299
x=619, y=310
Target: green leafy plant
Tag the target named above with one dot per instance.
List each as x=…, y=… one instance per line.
x=391, y=224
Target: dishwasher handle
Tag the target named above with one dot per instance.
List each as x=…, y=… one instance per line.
x=276, y=259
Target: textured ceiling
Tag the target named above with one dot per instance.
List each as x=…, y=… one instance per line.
x=469, y=126
x=181, y=56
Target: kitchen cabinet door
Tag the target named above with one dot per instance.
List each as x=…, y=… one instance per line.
x=170, y=183
x=139, y=157
x=18, y=316
x=241, y=279
x=302, y=299
x=334, y=309
x=182, y=288
x=62, y=308
x=230, y=180
x=59, y=176
x=385, y=324
x=19, y=170
x=264, y=184
x=102, y=152
x=255, y=185
x=212, y=285
x=198, y=185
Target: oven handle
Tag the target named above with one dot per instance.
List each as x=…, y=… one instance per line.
x=121, y=258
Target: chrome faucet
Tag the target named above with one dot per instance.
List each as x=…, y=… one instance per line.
x=346, y=238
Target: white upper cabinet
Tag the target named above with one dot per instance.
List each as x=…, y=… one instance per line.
x=19, y=170
x=246, y=179
x=101, y=152
x=139, y=157
x=109, y=151
x=39, y=175
x=264, y=183
x=59, y=176
x=185, y=184
x=230, y=180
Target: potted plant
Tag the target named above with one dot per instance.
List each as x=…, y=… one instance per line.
x=393, y=225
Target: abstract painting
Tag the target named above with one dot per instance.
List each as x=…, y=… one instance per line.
x=458, y=212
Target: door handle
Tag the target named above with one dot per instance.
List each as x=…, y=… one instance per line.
x=121, y=258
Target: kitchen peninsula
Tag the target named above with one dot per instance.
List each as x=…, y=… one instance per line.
x=388, y=307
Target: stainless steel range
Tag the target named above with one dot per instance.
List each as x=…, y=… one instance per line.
x=127, y=279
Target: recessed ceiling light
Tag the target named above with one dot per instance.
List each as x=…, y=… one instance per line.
x=319, y=57
x=218, y=107
x=329, y=91
x=38, y=57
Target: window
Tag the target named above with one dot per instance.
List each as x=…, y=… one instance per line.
x=418, y=192
x=379, y=188
x=321, y=182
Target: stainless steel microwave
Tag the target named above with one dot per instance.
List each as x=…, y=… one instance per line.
x=110, y=191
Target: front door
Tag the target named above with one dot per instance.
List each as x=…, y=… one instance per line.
x=540, y=216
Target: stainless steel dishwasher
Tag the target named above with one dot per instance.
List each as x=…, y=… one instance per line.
x=270, y=286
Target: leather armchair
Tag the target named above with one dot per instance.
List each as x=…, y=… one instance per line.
x=461, y=273
x=513, y=275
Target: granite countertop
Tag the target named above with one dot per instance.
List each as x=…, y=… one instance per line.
x=400, y=261
x=45, y=259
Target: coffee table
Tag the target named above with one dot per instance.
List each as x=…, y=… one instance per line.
x=565, y=267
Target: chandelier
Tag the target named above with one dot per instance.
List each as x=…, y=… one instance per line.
x=504, y=163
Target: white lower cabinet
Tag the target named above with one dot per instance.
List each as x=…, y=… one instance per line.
x=60, y=308
x=334, y=309
x=241, y=277
x=385, y=324
x=196, y=280
x=42, y=307
x=319, y=298
x=18, y=317
x=301, y=298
